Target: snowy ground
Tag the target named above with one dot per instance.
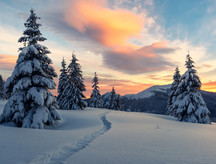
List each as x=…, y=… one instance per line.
x=99, y=136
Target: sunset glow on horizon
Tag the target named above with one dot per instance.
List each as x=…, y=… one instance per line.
x=132, y=45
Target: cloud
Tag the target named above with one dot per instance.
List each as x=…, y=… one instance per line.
x=104, y=25
x=86, y=24
x=94, y=21
x=165, y=78
x=142, y=60
x=207, y=65
x=53, y=21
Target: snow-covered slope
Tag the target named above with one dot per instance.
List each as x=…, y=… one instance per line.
x=149, y=92
x=140, y=138
x=51, y=145
x=99, y=136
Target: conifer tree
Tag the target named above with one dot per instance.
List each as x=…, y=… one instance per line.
x=62, y=84
x=106, y=99
x=2, y=90
x=119, y=103
x=171, y=109
x=96, y=99
x=112, y=101
x=191, y=106
x=31, y=104
x=73, y=91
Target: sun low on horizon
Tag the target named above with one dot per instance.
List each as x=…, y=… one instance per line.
x=132, y=45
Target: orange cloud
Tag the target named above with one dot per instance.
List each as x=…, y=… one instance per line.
x=113, y=28
x=106, y=26
x=166, y=78
x=7, y=62
x=207, y=65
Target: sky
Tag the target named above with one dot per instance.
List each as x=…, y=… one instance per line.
x=131, y=44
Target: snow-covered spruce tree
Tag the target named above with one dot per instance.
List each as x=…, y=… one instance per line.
x=96, y=99
x=191, y=106
x=73, y=99
x=113, y=100
x=106, y=99
x=171, y=109
x=30, y=104
x=2, y=90
x=119, y=103
x=62, y=84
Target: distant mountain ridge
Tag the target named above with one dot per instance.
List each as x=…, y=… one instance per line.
x=154, y=100
x=149, y=92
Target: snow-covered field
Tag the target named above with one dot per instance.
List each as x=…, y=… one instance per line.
x=99, y=136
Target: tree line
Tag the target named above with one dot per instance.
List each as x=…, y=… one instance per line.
x=71, y=87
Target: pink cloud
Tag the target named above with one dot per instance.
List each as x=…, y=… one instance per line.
x=112, y=28
x=104, y=25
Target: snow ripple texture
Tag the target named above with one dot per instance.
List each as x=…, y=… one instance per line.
x=67, y=151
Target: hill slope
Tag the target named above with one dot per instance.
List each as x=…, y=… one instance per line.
x=100, y=136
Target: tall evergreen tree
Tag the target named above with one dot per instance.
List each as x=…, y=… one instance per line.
x=73, y=91
x=2, y=90
x=119, y=103
x=31, y=104
x=106, y=99
x=171, y=109
x=62, y=84
x=191, y=106
x=113, y=100
x=96, y=98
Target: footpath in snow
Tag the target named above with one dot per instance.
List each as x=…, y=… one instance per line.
x=140, y=138
x=72, y=134
x=96, y=136
x=67, y=151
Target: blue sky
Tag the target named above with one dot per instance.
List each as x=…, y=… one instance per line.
x=193, y=17
x=131, y=44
